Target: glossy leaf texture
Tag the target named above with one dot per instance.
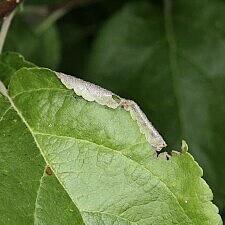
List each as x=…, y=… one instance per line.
x=169, y=57
x=66, y=160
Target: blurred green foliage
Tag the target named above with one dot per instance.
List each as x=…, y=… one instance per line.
x=168, y=56
x=41, y=48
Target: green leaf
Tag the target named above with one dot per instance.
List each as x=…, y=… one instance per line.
x=170, y=59
x=10, y=62
x=41, y=48
x=87, y=156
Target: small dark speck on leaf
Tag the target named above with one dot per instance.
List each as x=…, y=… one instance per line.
x=48, y=171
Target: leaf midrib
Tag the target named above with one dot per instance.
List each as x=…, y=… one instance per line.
x=5, y=112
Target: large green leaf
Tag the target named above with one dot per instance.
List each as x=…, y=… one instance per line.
x=86, y=156
x=170, y=59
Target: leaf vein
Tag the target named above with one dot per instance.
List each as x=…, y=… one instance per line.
x=6, y=111
x=118, y=152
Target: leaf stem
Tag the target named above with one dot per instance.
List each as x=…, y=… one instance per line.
x=5, y=27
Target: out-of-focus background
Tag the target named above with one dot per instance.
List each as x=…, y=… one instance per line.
x=168, y=56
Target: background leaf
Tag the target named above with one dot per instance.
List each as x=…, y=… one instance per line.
x=78, y=30
x=42, y=48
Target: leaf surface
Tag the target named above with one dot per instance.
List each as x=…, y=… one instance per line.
x=10, y=62
x=82, y=162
